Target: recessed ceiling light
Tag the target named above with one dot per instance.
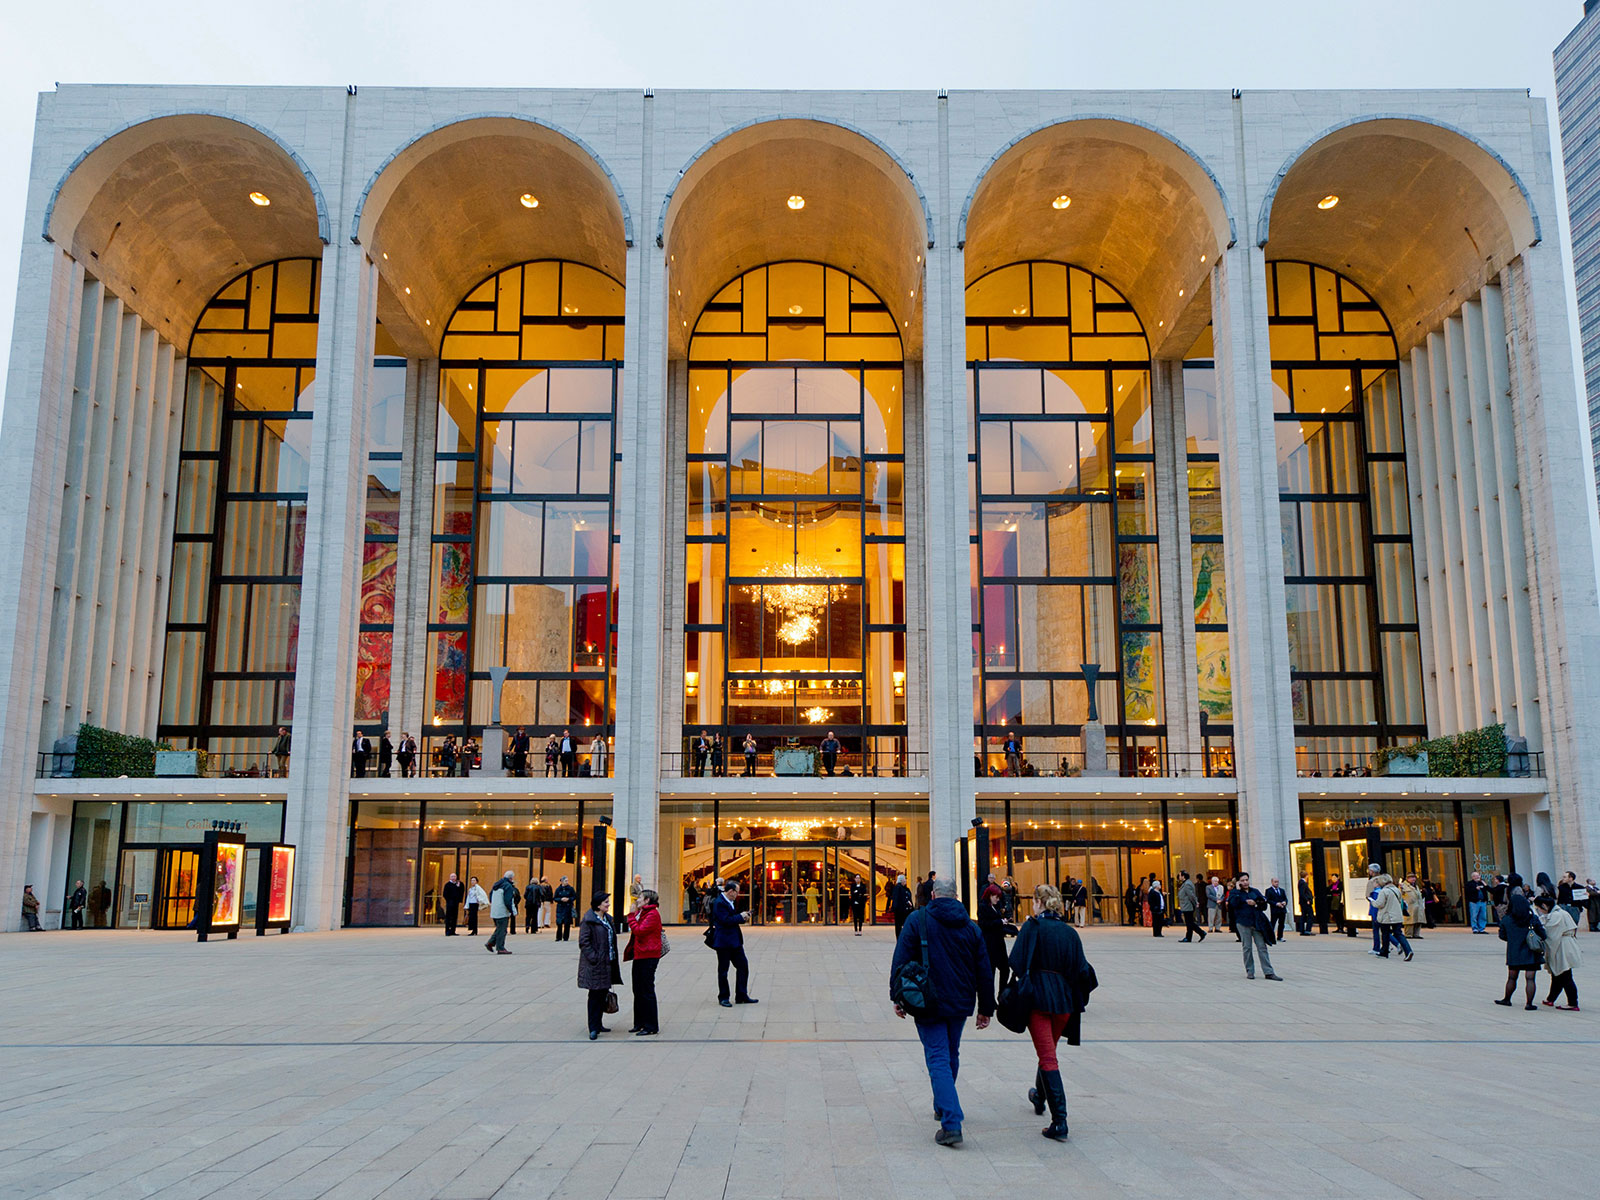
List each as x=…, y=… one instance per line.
x=1202, y=258
x=795, y=310
x=1020, y=311
x=569, y=309
x=1061, y=202
x=260, y=199
x=408, y=291
x=1180, y=293
x=797, y=202
x=529, y=200
x=1327, y=202
x=385, y=256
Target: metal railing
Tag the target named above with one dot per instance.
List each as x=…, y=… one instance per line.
x=1131, y=762
x=676, y=764
x=1339, y=764
x=216, y=764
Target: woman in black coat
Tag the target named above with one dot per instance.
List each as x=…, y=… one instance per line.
x=1514, y=927
x=598, y=969
x=1049, y=953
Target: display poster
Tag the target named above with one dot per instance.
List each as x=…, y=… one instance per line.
x=280, y=884
x=1353, y=856
x=225, y=886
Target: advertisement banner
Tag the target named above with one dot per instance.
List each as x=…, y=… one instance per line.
x=280, y=885
x=226, y=881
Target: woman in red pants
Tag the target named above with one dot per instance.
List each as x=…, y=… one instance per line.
x=1048, y=960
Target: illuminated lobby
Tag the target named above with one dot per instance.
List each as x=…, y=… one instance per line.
x=789, y=488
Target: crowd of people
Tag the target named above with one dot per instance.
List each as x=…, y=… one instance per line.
x=565, y=756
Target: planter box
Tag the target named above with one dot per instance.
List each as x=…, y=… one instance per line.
x=1406, y=764
x=794, y=760
x=178, y=763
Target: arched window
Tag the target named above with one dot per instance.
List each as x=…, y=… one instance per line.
x=795, y=605
x=530, y=367
x=233, y=616
x=1064, y=564
x=1355, y=657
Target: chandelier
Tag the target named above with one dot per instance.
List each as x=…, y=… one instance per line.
x=800, y=605
x=815, y=714
x=797, y=831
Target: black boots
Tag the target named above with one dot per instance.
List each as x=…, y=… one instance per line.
x=1036, y=1093
x=1057, y=1096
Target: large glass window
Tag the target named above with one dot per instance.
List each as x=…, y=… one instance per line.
x=233, y=614
x=1355, y=656
x=1064, y=564
x=795, y=601
x=522, y=573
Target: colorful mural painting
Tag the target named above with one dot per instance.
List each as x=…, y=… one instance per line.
x=1211, y=645
x=1140, y=650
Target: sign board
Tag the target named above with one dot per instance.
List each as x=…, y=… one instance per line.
x=219, y=892
x=141, y=897
x=275, y=889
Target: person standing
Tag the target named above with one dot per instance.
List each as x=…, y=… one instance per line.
x=1012, y=749
x=1307, y=902
x=945, y=938
x=531, y=896
x=76, y=903
x=280, y=751
x=502, y=911
x=1050, y=953
x=858, y=902
x=99, y=904
x=1593, y=889
x=447, y=755
x=1477, y=898
x=476, y=899
x=385, y=755
x=1519, y=920
x=992, y=928
x=451, y=895
x=925, y=890
x=1561, y=954
x=360, y=751
x=566, y=898
x=598, y=751
x=552, y=756
x=569, y=759
x=1566, y=896
x=1390, y=913
x=727, y=939
x=1214, y=903
x=30, y=909
x=900, y=904
x=636, y=890
x=645, y=923
x=1250, y=919
x=598, y=971
x=520, y=743
x=1411, y=896
x=546, y=896
x=1277, y=908
x=830, y=753
x=406, y=754
x=750, y=755
x=1080, y=905
x=1156, y=901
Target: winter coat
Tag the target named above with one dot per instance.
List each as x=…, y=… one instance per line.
x=451, y=893
x=476, y=895
x=1389, y=906
x=900, y=902
x=1157, y=900
x=957, y=960
x=1413, y=899
x=1059, y=972
x=504, y=899
x=727, y=925
x=597, y=953
x=1514, y=933
x=646, y=925
x=565, y=897
x=1561, y=945
x=1186, y=899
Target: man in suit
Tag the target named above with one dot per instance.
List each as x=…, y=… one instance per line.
x=385, y=754
x=519, y=752
x=727, y=939
x=360, y=751
x=1302, y=923
x=1277, y=908
x=569, y=755
x=1251, y=920
x=451, y=895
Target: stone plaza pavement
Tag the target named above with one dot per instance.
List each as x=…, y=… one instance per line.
x=403, y=1064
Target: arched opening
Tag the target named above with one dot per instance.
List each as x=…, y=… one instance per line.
x=795, y=576
x=233, y=614
x=522, y=570
x=1065, y=567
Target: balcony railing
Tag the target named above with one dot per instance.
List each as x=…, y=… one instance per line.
x=217, y=764
x=675, y=764
x=1339, y=764
x=1132, y=762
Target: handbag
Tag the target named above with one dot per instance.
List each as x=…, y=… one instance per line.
x=612, y=1003
x=1534, y=942
x=912, y=986
x=665, y=945
x=1015, y=1005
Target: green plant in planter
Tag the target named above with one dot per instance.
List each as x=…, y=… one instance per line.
x=1388, y=754
x=104, y=754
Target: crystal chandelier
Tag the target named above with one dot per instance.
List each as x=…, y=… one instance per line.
x=816, y=714
x=799, y=604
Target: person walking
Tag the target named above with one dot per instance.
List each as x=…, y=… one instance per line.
x=531, y=896
x=726, y=937
x=992, y=927
x=1476, y=894
x=476, y=899
x=450, y=898
x=1389, y=914
x=1306, y=905
x=925, y=890
x=1186, y=905
x=1156, y=902
x=566, y=898
x=76, y=903
x=385, y=755
x=598, y=971
x=900, y=904
x=1277, y=908
x=647, y=945
x=1249, y=911
x=1561, y=954
x=30, y=909
x=750, y=756
x=280, y=751
x=944, y=938
x=1411, y=894
x=858, y=902
x=360, y=751
x=1522, y=953
x=502, y=910
x=1049, y=954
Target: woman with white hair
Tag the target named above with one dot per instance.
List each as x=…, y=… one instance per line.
x=900, y=904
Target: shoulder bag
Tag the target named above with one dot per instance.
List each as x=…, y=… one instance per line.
x=913, y=982
x=665, y=945
x=1015, y=1005
x=612, y=1003
x=1534, y=942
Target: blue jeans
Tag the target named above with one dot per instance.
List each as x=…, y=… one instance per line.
x=1392, y=933
x=941, y=1050
x=1478, y=914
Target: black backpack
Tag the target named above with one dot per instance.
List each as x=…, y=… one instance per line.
x=912, y=986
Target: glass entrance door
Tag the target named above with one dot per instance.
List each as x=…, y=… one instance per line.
x=136, y=890
x=1106, y=870
x=526, y=861
x=180, y=877
x=797, y=883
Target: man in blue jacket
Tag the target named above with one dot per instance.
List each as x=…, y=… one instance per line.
x=960, y=976
x=727, y=939
x=1251, y=919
